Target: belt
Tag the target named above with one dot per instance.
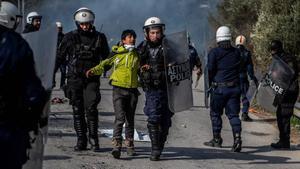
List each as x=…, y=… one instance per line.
x=226, y=84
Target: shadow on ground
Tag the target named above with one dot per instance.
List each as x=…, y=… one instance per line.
x=248, y=156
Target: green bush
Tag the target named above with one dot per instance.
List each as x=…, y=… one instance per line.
x=278, y=19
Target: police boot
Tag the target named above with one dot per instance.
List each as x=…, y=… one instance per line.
x=162, y=142
x=215, y=142
x=117, y=146
x=245, y=117
x=130, y=146
x=237, y=143
x=155, y=141
x=80, y=128
x=93, y=135
x=163, y=137
x=281, y=145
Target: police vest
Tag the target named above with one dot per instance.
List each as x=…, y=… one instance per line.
x=155, y=58
x=85, y=54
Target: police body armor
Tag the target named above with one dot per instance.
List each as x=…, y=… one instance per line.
x=155, y=77
x=85, y=54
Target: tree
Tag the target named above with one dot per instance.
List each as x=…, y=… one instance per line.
x=239, y=15
x=278, y=19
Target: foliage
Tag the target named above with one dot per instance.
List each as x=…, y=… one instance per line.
x=278, y=19
x=262, y=21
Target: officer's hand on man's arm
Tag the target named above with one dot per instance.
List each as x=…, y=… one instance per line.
x=145, y=68
x=89, y=73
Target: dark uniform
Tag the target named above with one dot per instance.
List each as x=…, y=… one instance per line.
x=285, y=105
x=155, y=87
x=223, y=71
x=246, y=70
x=194, y=58
x=63, y=66
x=84, y=50
x=22, y=99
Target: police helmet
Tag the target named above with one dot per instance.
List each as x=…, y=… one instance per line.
x=9, y=15
x=31, y=16
x=223, y=34
x=84, y=15
x=153, y=22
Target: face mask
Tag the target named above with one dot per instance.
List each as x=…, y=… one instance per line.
x=129, y=47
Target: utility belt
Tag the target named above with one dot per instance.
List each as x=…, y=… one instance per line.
x=226, y=84
x=153, y=79
x=79, y=67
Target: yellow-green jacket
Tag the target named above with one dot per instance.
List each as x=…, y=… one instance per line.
x=125, y=66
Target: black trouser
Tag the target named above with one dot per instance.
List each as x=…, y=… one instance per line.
x=125, y=101
x=63, y=71
x=85, y=96
x=284, y=113
x=14, y=142
x=159, y=117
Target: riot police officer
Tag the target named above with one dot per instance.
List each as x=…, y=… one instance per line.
x=285, y=105
x=223, y=71
x=22, y=96
x=154, y=84
x=194, y=59
x=33, y=22
x=62, y=68
x=85, y=47
x=246, y=69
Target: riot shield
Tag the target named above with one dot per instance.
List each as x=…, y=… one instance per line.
x=178, y=74
x=43, y=44
x=274, y=84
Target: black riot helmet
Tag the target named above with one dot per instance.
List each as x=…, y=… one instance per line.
x=276, y=46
